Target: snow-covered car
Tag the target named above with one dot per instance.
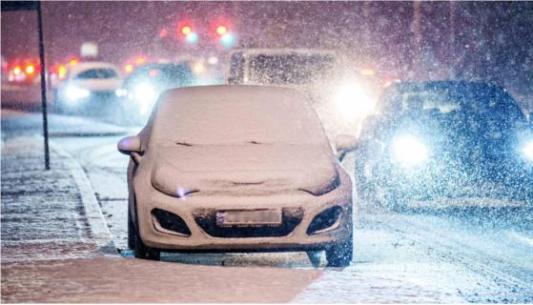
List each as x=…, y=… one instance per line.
x=143, y=86
x=449, y=140
x=234, y=168
x=341, y=96
x=88, y=86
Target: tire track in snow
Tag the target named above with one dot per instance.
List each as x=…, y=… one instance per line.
x=514, y=283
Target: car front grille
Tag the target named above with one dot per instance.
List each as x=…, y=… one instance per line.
x=206, y=219
x=103, y=95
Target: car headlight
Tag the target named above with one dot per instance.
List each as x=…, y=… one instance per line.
x=352, y=101
x=73, y=93
x=527, y=150
x=121, y=92
x=408, y=150
x=145, y=95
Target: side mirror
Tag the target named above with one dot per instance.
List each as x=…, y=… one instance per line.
x=131, y=146
x=345, y=144
x=231, y=80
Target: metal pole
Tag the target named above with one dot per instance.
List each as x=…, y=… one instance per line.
x=451, y=54
x=417, y=45
x=43, y=87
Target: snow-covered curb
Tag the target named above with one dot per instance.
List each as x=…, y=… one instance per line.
x=99, y=229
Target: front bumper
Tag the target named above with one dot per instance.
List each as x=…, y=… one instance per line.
x=301, y=206
x=96, y=99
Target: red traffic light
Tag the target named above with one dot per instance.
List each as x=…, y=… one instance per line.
x=221, y=30
x=186, y=30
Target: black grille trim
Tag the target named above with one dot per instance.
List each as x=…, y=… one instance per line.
x=324, y=220
x=170, y=221
x=206, y=219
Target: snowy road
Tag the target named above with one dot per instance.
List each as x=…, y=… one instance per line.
x=444, y=256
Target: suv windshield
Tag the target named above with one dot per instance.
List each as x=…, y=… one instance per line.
x=478, y=100
x=289, y=69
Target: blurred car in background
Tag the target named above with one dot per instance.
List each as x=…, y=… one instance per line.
x=143, y=86
x=445, y=140
x=341, y=95
x=21, y=71
x=87, y=87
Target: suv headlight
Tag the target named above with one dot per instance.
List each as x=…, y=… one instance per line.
x=408, y=150
x=527, y=150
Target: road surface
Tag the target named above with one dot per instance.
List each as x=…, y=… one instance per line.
x=453, y=255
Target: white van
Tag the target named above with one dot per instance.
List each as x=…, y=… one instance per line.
x=340, y=95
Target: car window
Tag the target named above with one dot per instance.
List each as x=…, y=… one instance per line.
x=166, y=73
x=429, y=101
x=100, y=73
x=237, y=63
x=289, y=69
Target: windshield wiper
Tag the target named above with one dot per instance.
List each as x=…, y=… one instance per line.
x=184, y=144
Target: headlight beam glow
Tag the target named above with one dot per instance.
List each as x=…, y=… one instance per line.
x=74, y=94
x=527, y=150
x=408, y=150
x=144, y=94
x=353, y=101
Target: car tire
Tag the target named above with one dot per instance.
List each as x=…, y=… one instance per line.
x=140, y=250
x=314, y=257
x=341, y=254
x=131, y=233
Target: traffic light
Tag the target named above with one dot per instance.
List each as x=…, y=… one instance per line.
x=186, y=30
x=221, y=30
x=187, y=33
x=224, y=35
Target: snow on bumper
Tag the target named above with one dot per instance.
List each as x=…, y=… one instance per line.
x=299, y=208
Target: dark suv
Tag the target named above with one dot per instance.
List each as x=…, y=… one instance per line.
x=445, y=140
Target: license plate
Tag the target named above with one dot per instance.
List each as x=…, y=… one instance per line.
x=249, y=217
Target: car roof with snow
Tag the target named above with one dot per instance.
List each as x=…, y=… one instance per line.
x=236, y=114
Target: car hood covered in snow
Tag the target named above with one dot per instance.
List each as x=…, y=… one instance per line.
x=247, y=169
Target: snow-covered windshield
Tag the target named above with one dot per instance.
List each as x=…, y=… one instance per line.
x=289, y=68
x=237, y=116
